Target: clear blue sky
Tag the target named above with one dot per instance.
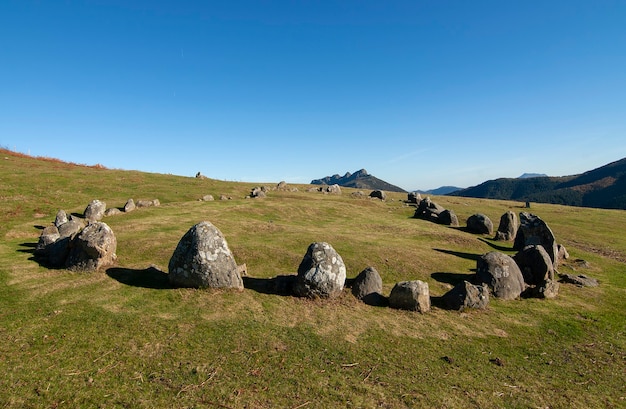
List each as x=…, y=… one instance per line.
x=421, y=93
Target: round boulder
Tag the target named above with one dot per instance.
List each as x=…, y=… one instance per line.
x=321, y=273
x=535, y=264
x=410, y=295
x=93, y=248
x=378, y=194
x=501, y=274
x=480, y=224
x=202, y=259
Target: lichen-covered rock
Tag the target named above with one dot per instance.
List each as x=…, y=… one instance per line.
x=321, y=273
x=112, y=211
x=501, y=274
x=95, y=210
x=480, y=224
x=410, y=295
x=368, y=287
x=60, y=218
x=93, y=248
x=448, y=218
x=507, y=229
x=413, y=197
x=48, y=236
x=580, y=280
x=208, y=198
x=467, y=295
x=202, y=259
x=148, y=203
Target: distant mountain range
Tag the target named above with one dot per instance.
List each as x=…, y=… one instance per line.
x=604, y=187
x=443, y=190
x=358, y=180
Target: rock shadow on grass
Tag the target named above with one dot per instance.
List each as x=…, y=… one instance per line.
x=468, y=256
x=496, y=246
x=150, y=277
x=279, y=285
x=452, y=278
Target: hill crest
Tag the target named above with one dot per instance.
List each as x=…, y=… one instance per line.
x=358, y=180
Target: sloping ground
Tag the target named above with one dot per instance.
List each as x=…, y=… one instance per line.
x=124, y=338
x=358, y=180
x=604, y=187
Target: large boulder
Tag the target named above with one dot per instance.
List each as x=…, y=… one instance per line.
x=321, y=273
x=535, y=264
x=501, y=274
x=410, y=295
x=48, y=236
x=534, y=231
x=93, y=248
x=480, y=224
x=95, y=210
x=508, y=227
x=334, y=189
x=467, y=295
x=202, y=259
x=413, y=197
x=368, y=287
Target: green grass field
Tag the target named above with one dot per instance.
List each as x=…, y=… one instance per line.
x=124, y=338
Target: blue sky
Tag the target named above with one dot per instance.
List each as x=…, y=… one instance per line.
x=420, y=93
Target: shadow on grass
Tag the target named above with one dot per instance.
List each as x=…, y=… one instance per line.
x=147, y=278
x=279, y=285
x=452, y=278
x=29, y=248
x=468, y=256
x=495, y=246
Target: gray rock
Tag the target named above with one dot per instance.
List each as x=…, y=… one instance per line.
x=224, y=197
x=413, y=197
x=508, y=227
x=93, y=248
x=321, y=273
x=378, y=194
x=368, y=287
x=148, y=203
x=448, y=218
x=549, y=289
x=466, y=295
x=258, y=192
x=60, y=218
x=200, y=176
x=501, y=274
x=71, y=228
x=208, y=198
x=95, y=210
x=480, y=224
x=129, y=206
x=410, y=295
x=428, y=210
x=562, y=253
x=202, y=259
x=580, y=280
x=48, y=236
x=334, y=189
x=535, y=265
x=112, y=211
x=533, y=230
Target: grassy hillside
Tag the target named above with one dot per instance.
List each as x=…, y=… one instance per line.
x=123, y=338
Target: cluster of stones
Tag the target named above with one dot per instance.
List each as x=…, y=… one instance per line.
x=332, y=189
x=431, y=211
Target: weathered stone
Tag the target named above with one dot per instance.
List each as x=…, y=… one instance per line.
x=428, y=210
x=368, y=287
x=93, y=248
x=258, y=192
x=112, y=211
x=334, y=189
x=208, y=198
x=148, y=203
x=580, y=280
x=562, y=253
x=549, y=289
x=501, y=274
x=129, y=206
x=200, y=176
x=413, y=197
x=378, y=194
x=480, y=224
x=60, y=218
x=282, y=185
x=202, y=259
x=71, y=228
x=535, y=264
x=508, y=227
x=533, y=230
x=95, y=210
x=410, y=295
x=48, y=236
x=321, y=273
x=224, y=197
x=466, y=295
x=448, y=218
